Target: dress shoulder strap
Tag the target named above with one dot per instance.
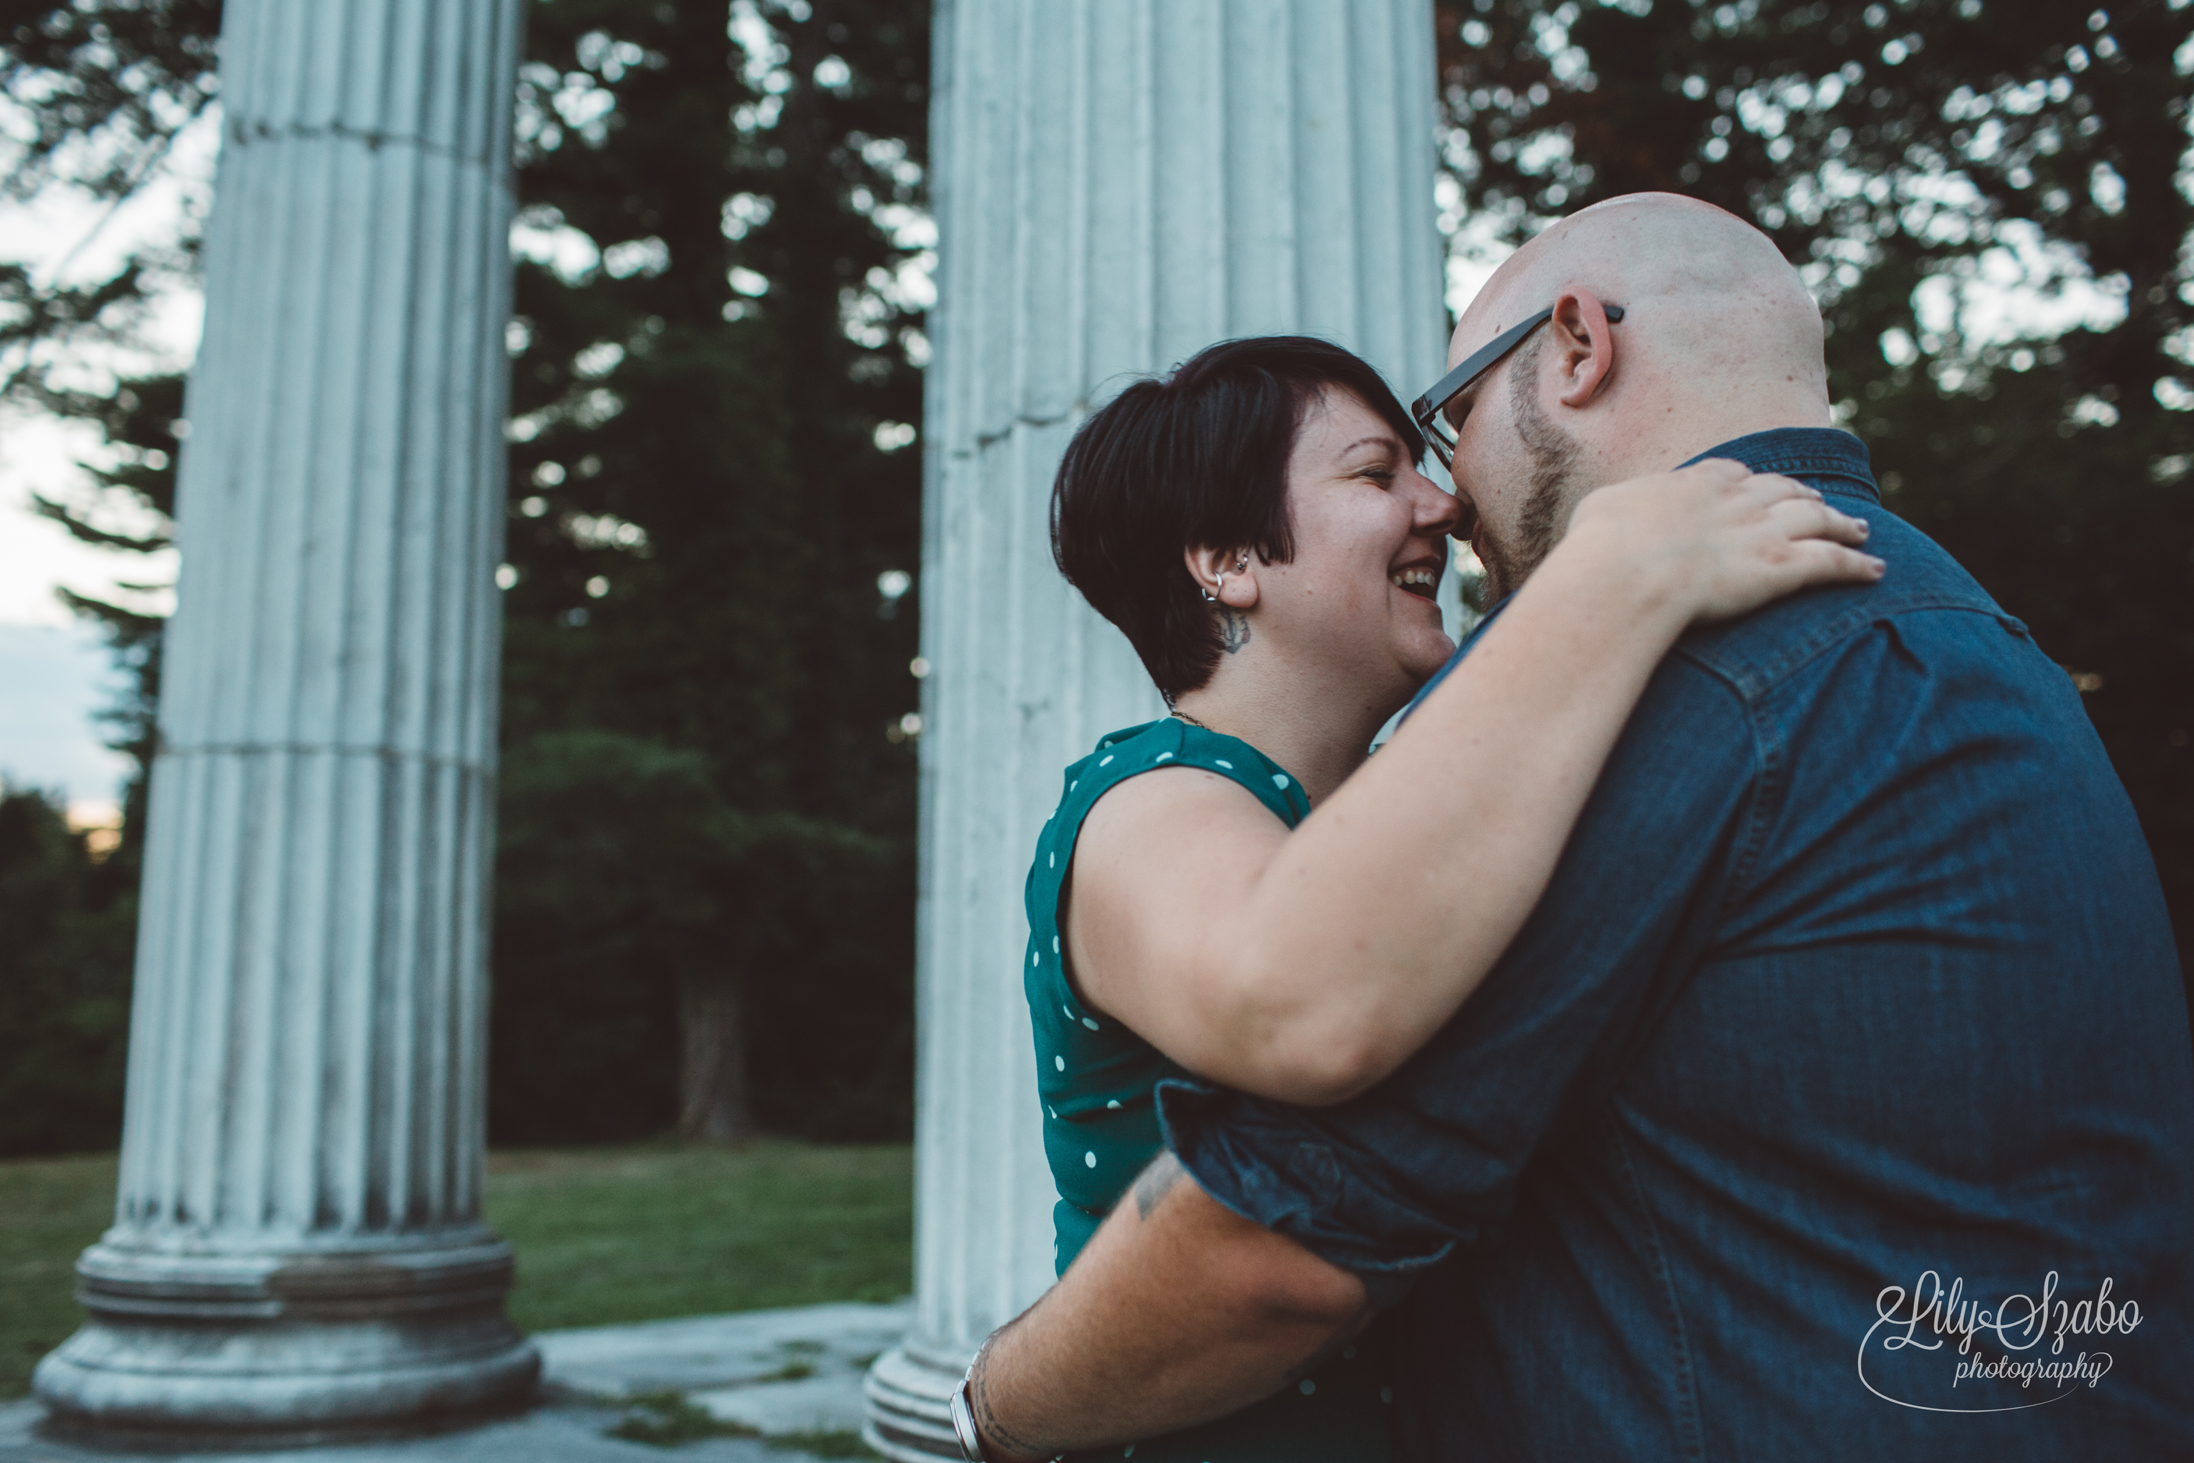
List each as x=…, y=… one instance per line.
x=1120, y=755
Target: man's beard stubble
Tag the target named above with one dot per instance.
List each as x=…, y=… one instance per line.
x=1554, y=456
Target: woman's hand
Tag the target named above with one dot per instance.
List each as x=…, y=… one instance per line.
x=1719, y=540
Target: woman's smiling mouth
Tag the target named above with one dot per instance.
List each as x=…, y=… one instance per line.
x=1422, y=580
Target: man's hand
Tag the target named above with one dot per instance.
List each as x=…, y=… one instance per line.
x=1178, y=1311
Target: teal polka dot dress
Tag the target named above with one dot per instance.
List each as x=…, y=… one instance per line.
x=1096, y=1079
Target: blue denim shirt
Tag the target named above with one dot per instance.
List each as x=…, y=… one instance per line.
x=1853, y=984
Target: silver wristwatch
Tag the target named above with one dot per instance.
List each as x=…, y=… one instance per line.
x=963, y=1424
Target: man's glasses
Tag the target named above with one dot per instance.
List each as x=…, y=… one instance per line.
x=1430, y=410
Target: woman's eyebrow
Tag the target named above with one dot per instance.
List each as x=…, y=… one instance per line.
x=1385, y=439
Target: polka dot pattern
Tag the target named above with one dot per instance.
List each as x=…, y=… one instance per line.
x=1097, y=1086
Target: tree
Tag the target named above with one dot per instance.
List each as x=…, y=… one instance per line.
x=1904, y=154
x=105, y=87
x=702, y=505
x=64, y=982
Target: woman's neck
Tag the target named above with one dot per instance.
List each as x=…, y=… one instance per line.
x=1319, y=739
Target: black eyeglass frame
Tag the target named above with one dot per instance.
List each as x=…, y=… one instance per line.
x=1425, y=411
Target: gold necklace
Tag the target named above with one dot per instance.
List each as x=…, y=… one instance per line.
x=1192, y=721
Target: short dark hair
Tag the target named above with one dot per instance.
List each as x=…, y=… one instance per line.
x=1196, y=459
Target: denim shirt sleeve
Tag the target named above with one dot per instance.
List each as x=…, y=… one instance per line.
x=1393, y=1180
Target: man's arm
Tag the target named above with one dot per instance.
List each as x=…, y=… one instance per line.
x=1179, y=1310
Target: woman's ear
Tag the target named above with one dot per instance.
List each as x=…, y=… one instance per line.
x=1226, y=576
x=1585, y=346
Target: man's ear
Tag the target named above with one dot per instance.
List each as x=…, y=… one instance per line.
x=1584, y=345
x=1215, y=573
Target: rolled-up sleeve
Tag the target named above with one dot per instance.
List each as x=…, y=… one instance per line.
x=1394, y=1180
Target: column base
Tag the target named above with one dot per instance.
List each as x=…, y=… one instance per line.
x=191, y=1346
x=908, y=1392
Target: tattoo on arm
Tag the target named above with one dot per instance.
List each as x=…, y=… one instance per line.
x=1233, y=630
x=1156, y=1182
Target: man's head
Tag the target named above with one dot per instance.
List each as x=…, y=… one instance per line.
x=1718, y=338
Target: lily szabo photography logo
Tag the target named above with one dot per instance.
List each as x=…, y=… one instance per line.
x=1940, y=1348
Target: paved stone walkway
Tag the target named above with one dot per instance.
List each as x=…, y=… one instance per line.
x=791, y=1379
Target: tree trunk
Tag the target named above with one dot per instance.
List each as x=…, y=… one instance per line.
x=712, y=1082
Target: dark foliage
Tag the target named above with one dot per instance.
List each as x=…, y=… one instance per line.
x=701, y=513
x=64, y=982
x=1887, y=148
x=625, y=874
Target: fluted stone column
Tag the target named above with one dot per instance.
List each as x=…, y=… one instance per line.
x=1118, y=183
x=297, y=1250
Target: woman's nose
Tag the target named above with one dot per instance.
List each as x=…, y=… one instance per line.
x=1437, y=511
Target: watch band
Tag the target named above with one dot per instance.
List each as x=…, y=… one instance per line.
x=963, y=1425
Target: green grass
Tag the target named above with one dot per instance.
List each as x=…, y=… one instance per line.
x=50, y=1208
x=603, y=1235
x=637, y=1234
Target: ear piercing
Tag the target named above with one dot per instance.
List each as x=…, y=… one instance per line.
x=1241, y=565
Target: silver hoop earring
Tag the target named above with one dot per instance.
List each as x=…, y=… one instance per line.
x=1209, y=597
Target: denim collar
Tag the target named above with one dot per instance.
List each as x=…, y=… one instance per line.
x=1812, y=453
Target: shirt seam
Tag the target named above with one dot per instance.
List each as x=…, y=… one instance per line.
x=1685, y=1384
x=1755, y=681
x=1769, y=771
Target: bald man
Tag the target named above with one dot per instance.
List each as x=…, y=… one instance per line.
x=1837, y=1100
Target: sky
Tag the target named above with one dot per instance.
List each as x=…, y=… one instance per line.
x=55, y=672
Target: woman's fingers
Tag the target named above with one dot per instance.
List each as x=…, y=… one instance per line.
x=1730, y=539
x=1812, y=517
x=1817, y=561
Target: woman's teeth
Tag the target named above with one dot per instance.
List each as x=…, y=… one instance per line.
x=1416, y=581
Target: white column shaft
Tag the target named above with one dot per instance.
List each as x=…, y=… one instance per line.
x=1118, y=183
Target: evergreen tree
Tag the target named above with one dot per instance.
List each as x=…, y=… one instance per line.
x=702, y=511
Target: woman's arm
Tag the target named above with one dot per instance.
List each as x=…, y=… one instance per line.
x=1308, y=966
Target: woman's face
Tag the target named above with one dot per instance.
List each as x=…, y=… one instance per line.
x=1355, y=605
